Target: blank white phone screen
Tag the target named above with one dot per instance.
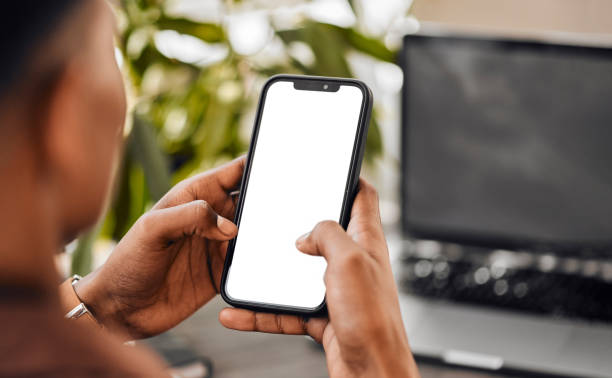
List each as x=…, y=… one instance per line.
x=298, y=177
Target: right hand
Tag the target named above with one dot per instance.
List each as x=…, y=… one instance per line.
x=364, y=335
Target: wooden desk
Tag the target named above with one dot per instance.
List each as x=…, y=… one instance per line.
x=238, y=354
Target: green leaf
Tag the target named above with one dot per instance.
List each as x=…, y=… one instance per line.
x=144, y=149
x=210, y=33
x=327, y=44
x=82, y=257
x=121, y=205
x=132, y=197
x=374, y=143
x=366, y=45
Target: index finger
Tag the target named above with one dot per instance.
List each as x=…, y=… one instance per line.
x=206, y=185
x=365, y=206
x=246, y=320
x=227, y=176
x=365, y=220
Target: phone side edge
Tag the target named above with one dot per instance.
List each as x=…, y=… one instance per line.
x=358, y=152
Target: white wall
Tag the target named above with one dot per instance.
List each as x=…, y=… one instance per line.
x=583, y=16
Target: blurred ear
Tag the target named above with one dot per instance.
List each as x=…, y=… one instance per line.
x=60, y=121
x=68, y=156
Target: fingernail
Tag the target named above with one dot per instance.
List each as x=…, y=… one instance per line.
x=225, y=226
x=302, y=238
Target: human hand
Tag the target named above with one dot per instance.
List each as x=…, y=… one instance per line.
x=170, y=262
x=364, y=335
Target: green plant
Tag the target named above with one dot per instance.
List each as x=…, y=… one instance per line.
x=190, y=116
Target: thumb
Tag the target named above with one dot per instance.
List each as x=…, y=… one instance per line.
x=192, y=218
x=327, y=239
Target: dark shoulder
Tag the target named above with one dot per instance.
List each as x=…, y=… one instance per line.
x=37, y=341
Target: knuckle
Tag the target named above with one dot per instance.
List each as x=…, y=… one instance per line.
x=242, y=161
x=327, y=276
x=279, y=323
x=203, y=216
x=326, y=227
x=369, y=190
x=179, y=187
x=378, y=326
x=147, y=221
x=201, y=208
x=178, y=190
x=367, y=228
x=353, y=262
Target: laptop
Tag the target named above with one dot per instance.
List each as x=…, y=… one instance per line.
x=506, y=185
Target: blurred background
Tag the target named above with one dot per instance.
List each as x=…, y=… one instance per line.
x=194, y=70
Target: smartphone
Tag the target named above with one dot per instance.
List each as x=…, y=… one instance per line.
x=302, y=168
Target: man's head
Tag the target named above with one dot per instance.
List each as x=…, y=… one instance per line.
x=62, y=105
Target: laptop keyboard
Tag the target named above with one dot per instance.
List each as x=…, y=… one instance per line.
x=534, y=283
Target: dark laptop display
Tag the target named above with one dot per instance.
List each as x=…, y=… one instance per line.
x=508, y=144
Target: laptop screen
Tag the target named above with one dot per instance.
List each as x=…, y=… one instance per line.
x=507, y=144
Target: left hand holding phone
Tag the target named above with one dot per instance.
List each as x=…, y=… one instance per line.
x=169, y=264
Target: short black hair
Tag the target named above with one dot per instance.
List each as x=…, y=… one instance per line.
x=25, y=25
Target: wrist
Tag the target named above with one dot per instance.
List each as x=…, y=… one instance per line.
x=391, y=357
x=72, y=305
x=98, y=301
x=397, y=364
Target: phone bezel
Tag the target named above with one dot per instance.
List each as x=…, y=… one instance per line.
x=349, y=192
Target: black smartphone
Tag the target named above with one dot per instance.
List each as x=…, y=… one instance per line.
x=302, y=168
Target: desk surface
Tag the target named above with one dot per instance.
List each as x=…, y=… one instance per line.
x=238, y=354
